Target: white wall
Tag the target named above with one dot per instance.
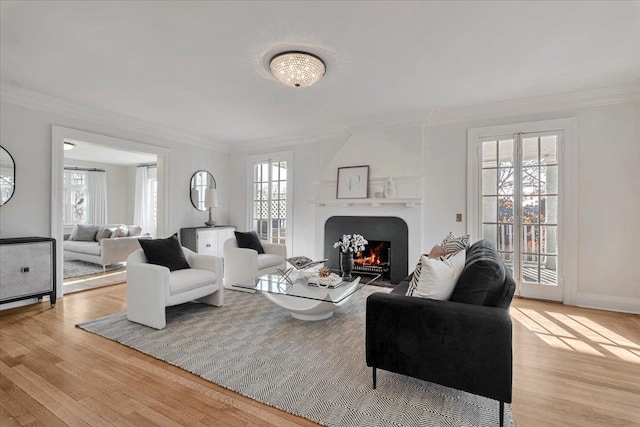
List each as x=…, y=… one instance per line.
x=26, y=134
x=608, y=190
x=116, y=188
x=608, y=196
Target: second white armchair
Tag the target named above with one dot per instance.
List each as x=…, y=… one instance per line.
x=243, y=265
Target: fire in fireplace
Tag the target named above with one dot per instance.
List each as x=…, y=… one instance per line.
x=375, y=258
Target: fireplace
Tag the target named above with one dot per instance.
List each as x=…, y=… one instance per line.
x=387, y=251
x=375, y=258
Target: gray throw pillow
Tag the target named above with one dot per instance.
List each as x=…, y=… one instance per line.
x=84, y=233
x=104, y=234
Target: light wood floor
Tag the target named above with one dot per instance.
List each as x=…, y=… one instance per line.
x=92, y=281
x=572, y=367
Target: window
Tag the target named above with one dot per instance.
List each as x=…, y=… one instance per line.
x=271, y=199
x=519, y=184
x=75, y=197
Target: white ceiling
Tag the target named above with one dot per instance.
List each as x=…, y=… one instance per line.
x=202, y=67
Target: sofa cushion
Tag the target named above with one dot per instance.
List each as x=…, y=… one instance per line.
x=166, y=252
x=192, y=278
x=90, y=248
x=483, y=278
x=84, y=233
x=269, y=260
x=249, y=240
x=402, y=287
x=436, y=278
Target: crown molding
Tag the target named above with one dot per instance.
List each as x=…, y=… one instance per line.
x=51, y=104
x=629, y=92
x=542, y=104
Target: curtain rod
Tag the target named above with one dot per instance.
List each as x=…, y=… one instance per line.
x=147, y=165
x=73, y=168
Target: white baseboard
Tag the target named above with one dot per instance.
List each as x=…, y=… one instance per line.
x=605, y=302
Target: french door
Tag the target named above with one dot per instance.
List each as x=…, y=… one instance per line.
x=519, y=207
x=271, y=199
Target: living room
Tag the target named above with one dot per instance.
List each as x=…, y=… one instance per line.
x=407, y=87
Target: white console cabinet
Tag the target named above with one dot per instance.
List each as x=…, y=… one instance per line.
x=206, y=240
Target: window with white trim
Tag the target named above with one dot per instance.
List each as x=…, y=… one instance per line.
x=75, y=197
x=271, y=197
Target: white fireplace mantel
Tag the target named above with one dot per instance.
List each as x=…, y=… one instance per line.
x=408, y=189
x=374, y=202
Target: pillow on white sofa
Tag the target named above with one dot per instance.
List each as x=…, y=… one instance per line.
x=120, y=231
x=84, y=233
x=435, y=278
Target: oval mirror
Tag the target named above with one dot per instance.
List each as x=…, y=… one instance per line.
x=200, y=181
x=7, y=176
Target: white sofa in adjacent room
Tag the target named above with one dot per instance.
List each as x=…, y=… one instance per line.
x=103, y=250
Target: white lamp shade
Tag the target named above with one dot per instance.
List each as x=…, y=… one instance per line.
x=210, y=198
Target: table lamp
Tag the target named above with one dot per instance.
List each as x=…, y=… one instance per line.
x=210, y=202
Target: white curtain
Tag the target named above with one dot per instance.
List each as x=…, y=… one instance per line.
x=143, y=213
x=96, y=198
x=68, y=208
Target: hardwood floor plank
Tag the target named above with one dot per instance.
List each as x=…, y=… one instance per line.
x=572, y=367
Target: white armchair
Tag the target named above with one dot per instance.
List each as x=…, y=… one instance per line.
x=151, y=288
x=244, y=265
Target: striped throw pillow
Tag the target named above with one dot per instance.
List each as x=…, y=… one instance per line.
x=453, y=243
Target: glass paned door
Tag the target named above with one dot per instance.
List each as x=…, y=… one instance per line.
x=520, y=200
x=270, y=200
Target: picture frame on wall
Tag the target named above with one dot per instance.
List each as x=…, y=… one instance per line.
x=353, y=182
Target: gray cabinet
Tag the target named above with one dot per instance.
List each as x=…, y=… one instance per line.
x=206, y=240
x=27, y=268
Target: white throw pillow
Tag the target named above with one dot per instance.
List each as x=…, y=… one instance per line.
x=120, y=231
x=438, y=276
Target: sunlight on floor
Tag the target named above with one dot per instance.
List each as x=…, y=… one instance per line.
x=89, y=279
x=576, y=333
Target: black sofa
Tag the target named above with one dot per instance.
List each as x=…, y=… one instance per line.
x=464, y=343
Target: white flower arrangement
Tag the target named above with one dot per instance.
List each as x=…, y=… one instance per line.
x=351, y=243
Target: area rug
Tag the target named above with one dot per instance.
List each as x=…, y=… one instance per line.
x=77, y=268
x=316, y=370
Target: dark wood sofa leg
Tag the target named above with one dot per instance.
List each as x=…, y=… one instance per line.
x=374, y=378
x=501, y=413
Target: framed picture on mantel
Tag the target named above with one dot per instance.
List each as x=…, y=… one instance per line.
x=353, y=182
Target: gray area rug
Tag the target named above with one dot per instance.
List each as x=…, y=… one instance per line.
x=316, y=370
x=77, y=268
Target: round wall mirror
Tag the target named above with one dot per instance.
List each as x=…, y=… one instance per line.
x=7, y=176
x=200, y=181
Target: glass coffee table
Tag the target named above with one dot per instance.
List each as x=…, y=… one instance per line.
x=308, y=302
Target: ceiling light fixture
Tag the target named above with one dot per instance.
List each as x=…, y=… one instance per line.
x=69, y=145
x=297, y=69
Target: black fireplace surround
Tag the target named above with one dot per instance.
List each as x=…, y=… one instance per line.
x=384, y=228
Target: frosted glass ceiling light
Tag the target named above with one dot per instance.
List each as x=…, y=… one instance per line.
x=297, y=69
x=69, y=145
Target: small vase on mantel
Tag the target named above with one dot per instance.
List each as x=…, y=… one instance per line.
x=346, y=265
x=390, y=188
